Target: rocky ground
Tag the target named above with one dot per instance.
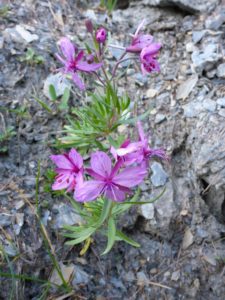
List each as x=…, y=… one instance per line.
x=182, y=235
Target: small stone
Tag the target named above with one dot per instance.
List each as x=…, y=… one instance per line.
x=220, y=72
x=148, y=211
x=65, y=216
x=159, y=118
x=222, y=112
x=188, y=239
x=192, y=109
x=129, y=276
x=140, y=79
x=175, y=275
x=216, y=21
x=151, y=93
x=5, y=220
x=221, y=102
x=90, y=14
x=80, y=277
x=189, y=47
x=186, y=87
x=142, y=278
x=59, y=82
x=209, y=105
x=1, y=42
x=159, y=176
x=25, y=34
x=198, y=35
x=11, y=250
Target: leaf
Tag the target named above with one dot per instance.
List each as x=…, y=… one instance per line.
x=144, y=202
x=126, y=239
x=64, y=101
x=105, y=211
x=52, y=92
x=80, y=239
x=111, y=235
x=43, y=104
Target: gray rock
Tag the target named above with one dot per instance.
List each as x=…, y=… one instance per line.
x=198, y=35
x=192, y=109
x=19, y=34
x=142, y=278
x=186, y=87
x=60, y=83
x=11, y=250
x=1, y=42
x=80, y=277
x=209, y=105
x=66, y=216
x=221, y=102
x=148, y=211
x=192, y=6
x=206, y=58
x=214, y=22
x=175, y=275
x=5, y=220
x=220, y=72
x=222, y=112
x=159, y=118
x=159, y=176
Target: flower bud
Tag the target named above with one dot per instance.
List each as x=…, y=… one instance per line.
x=101, y=35
x=89, y=26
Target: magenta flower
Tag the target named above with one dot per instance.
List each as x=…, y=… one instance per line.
x=107, y=181
x=146, y=152
x=148, y=58
x=137, y=152
x=101, y=35
x=69, y=166
x=139, y=41
x=74, y=63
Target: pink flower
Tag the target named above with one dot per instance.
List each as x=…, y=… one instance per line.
x=101, y=35
x=146, y=152
x=73, y=64
x=139, y=41
x=137, y=152
x=107, y=181
x=68, y=168
x=148, y=58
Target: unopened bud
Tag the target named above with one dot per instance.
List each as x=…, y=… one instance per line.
x=101, y=35
x=89, y=26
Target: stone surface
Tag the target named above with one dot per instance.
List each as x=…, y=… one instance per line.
x=65, y=216
x=220, y=72
x=59, y=82
x=192, y=6
x=209, y=105
x=159, y=176
x=206, y=58
x=221, y=102
x=186, y=87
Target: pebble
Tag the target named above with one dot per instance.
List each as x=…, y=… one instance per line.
x=151, y=93
x=198, y=35
x=142, y=278
x=192, y=109
x=175, y=275
x=221, y=102
x=59, y=82
x=65, y=216
x=148, y=211
x=159, y=118
x=209, y=105
x=80, y=277
x=220, y=72
x=159, y=176
x=222, y=112
x=5, y=220
x=215, y=22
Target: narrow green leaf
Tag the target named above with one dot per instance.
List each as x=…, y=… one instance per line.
x=52, y=92
x=111, y=235
x=43, y=104
x=105, y=211
x=126, y=239
x=64, y=101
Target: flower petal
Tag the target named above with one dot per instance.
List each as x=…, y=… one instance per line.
x=62, y=162
x=78, y=81
x=139, y=28
x=86, y=67
x=101, y=163
x=149, y=51
x=63, y=181
x=114, y=193
x=67, y=48
x=76, y=158
x=130, y=177
x=88, y=190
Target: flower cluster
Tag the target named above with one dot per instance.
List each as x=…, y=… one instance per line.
x=111, y=182
x=75, y=60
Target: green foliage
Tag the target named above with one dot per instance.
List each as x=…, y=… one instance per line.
x=4, y=137
x=109, y=5
x=96, y=121
x=4, y=10
x=32, y=58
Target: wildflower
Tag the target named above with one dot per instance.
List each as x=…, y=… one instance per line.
x=107, y=182
x=73, y=63
x=139, y=41
x=137, y=152
x=148, y=58
x=68, y=168
x=101, y=35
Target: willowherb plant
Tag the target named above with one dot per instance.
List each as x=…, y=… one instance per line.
x=103, y=181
